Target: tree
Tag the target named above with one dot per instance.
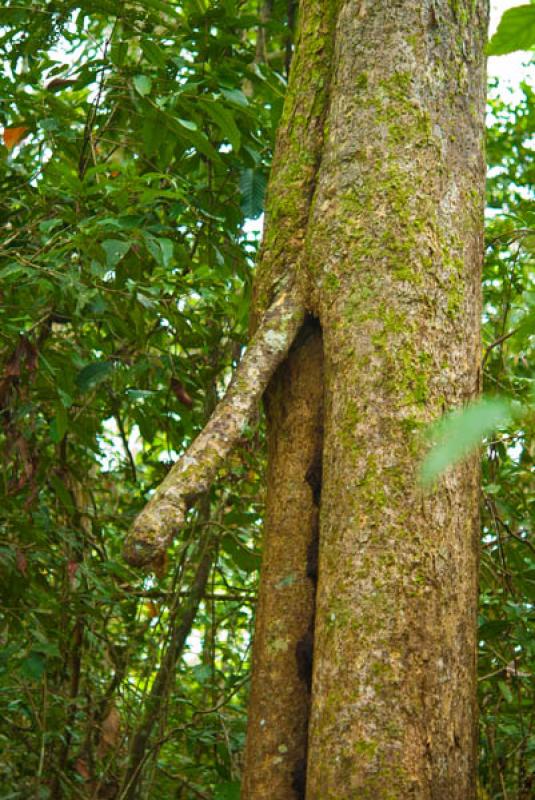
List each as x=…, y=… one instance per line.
x=374, y=232
x=392, y=251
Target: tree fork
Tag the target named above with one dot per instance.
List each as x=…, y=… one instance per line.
x=280, y=289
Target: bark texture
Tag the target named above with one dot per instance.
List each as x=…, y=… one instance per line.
x=297, y=156
x=388, y=251
x=282, y=670
x=275, y=757
x=193, y=473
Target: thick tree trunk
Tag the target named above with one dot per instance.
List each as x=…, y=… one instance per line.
x=387, y=248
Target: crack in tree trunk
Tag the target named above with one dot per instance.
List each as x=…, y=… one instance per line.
x=304, y=651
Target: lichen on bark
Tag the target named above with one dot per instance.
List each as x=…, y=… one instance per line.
x=390, y=248
x=194, y=472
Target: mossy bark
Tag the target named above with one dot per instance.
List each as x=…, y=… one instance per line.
x=387, y=244
x=280, y=692
x=275, y=757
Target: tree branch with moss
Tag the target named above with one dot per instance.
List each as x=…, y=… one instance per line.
x=194, y=472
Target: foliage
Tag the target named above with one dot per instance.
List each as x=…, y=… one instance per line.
x=126, y=270
x=458, y=432
x=507, y=577
x=516, y=31
x=138, y=138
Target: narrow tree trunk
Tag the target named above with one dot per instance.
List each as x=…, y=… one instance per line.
x=181, y=618
x=282, y=669
x=388, y=253
x=275, y=758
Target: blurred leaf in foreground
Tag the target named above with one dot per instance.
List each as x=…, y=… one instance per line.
x=516, y=31
x=459, y=432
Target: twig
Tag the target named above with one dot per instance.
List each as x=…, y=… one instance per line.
x=124, y=440
x=157, y=594
x=500, y=340
x=184, y=782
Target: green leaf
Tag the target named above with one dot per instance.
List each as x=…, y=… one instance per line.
x=516, y=31
x=253, y=189
x=225, y=122
x=166, y=246
x=143, y=84
x=115, y=250
x=11, y=269
x=195, y=138
x=92, y=374
x=118, y=52
x=140, y=394
x=33, y=666
x=49, y=649
x=459, y=432
x=235, y=96
x=48, y=225
x=188, y=124
x=506, y=691
x=230, y=790
x=161, y=248
x=165, y=8
x=59, y=424
x=241, y=556
x=153, y=53
x=203, y=673
x=62, y=492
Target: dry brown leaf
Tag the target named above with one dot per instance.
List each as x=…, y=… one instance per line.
x=160, y=566
x=12, y=136
x=59, y=83
x=180, y=393
x=72, y=569
x=21, y=562
x=152, y=610
x=82, y=769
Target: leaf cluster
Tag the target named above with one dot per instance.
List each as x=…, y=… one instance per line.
x=137, y=142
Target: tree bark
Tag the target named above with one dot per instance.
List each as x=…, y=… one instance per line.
x=387, y=245
x=282, y=670
x=193, y=474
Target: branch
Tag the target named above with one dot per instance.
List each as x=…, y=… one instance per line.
x=194, y=472
x=181, y=618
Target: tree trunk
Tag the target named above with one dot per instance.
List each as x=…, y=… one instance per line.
x=282, y=672
x=376, y=202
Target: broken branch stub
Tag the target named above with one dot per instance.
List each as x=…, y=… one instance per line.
x=193, y=473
